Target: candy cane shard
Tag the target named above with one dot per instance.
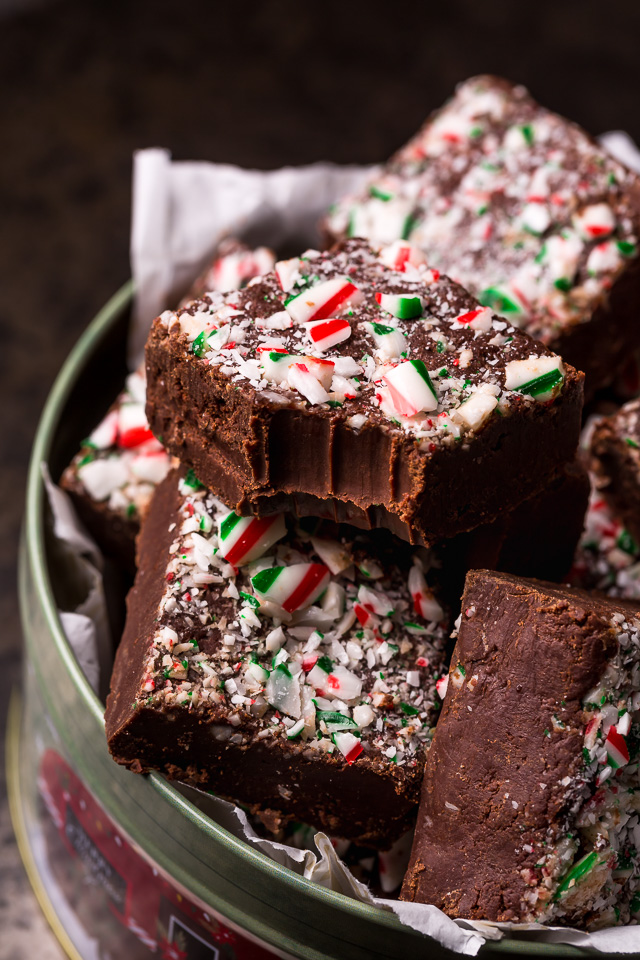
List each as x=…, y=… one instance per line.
x=293, y=587
x=244, y=539
x=320, y=301
x=390, y=342
x=410, y=388
x=325, y=334
x=303, y=380
x=538, y=377
x=404, y=306
x=401, y=254
x=424, y=601
x=595, y=221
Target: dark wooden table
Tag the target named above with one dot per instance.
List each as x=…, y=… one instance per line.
x=259, y=84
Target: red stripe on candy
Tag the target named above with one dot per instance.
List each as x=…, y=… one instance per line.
x=354, y=753
x=256, y=529
x=327, y=329
x=134, y=437
x=330, y=306
x=309, y=583
x=468, y=317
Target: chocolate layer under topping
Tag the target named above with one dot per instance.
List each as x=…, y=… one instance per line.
x=354, y=376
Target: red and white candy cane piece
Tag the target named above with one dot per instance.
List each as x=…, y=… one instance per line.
x=349, y=746
x=441, y=686
x=595, y=221
x=617, y=750
x=400, y=253
x=410, y=388
x=480, y=319
x=366, y=618
x=133, y=426
x=605, y=256
x=244, y=539
x=325, y=334
x=303, y=380
x=106, y=433
x=293, y=587
x=320, y=301
x=404, y=306
x=375, y=600
x=424, y=602
x=287, y=272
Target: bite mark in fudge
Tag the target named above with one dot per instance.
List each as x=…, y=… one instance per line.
x=529, y=806
x=428, y=418
x=615, y=460
x=278, y=667
x=112, y=478
x=526, y=211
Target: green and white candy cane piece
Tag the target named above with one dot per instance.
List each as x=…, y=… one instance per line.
x=293, y=587
x=404, y=306
x=335, y=721
x=501, y=300
x=537, y=377
x=410, y=388
x=275, y=364
x=282, y=691
x=576, y=873
x=390, y=342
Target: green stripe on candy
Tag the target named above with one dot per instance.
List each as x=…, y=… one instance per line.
x=199, y=345
x=491, y=297
x=192, y=481
x=336, y=721
x=420, y=368
x=408, y=226
x=582, y=867
x=408, y=709
x=264, y=580
x=626, y=248
x=541, y=384
x=381, y=329
x=379, y=194
x=562, y=284
x=325, y=663
x=228, y=524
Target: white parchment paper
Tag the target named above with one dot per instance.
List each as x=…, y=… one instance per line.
x=180, y=212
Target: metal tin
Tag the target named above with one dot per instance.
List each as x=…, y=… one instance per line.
x=163, y=878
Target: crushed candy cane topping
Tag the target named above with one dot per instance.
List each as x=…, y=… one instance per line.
x=346, y=332
x=301, y=638
x=121, y=462
x=518, y=205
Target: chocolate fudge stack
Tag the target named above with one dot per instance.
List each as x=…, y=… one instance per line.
x=351, y=434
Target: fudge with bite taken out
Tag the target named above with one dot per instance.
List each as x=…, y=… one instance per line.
x=531, y=798
x=526, y=211
x=367, y=378
x=287, y=666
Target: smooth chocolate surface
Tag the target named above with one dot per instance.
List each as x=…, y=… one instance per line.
x=506, y=774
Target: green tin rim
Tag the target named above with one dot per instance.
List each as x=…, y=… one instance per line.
x=35, y=556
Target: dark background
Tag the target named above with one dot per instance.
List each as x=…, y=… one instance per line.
x=83, y=84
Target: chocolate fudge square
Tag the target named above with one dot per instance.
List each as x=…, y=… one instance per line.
x=113, y=476
x=615, y=460
x=526, y=211
x=348, y=375
x=288, y=669
x=530, y=802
